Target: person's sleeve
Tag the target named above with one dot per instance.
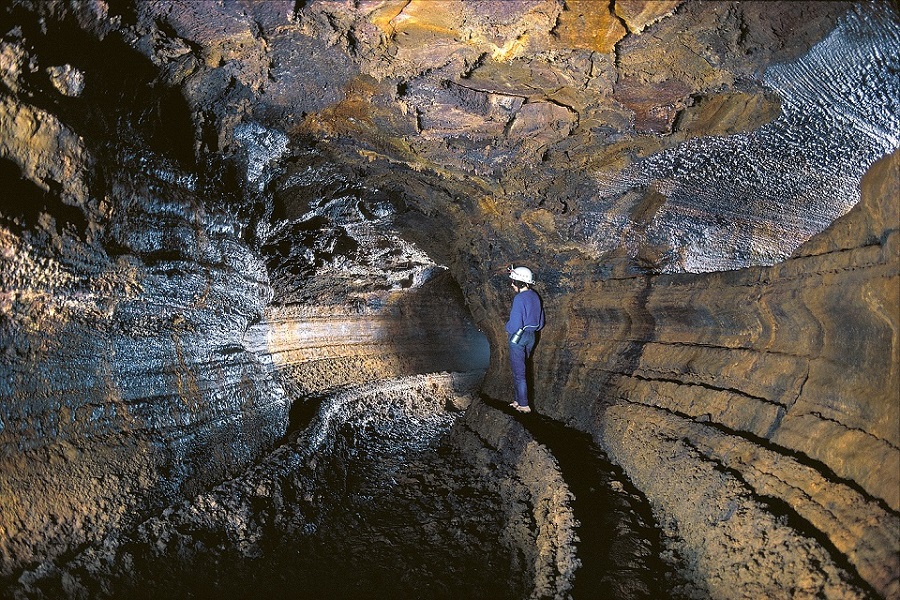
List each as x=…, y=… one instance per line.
x=516, y=315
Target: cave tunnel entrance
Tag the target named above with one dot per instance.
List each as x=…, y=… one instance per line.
x=388, y=499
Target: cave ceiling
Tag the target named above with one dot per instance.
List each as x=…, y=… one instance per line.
x=216, y=213
x=610, y=137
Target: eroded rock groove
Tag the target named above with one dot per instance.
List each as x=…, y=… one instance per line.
x=246, y=248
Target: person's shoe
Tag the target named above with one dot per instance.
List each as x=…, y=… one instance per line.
x=523, y=409
x=513, y=404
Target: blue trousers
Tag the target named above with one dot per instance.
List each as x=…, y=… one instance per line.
x=518, y=355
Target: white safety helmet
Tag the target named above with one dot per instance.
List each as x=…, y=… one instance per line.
x=522, y=274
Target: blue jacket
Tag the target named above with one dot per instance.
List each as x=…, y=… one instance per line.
x=526, y=311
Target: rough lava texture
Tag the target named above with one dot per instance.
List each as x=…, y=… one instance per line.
x=768, y=379
x=527, y=477
x=361, y=480
x=216, y=217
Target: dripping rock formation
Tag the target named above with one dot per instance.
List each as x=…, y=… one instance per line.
x=253, y=287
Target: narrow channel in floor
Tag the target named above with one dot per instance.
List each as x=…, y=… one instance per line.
x=371, y=498
x=619, y=542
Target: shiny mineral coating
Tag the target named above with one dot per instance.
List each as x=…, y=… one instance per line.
x=207, y=205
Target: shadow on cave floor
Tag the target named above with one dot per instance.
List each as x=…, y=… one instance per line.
x=619, y=544
x=385, y=507
x=388, y=508
x=410, y=527
x=428, y=530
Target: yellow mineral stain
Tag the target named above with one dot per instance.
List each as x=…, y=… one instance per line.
x=589, y=25
x=383, y=16
x=488, y=205
x=353, y=114
x=540, y=221
x=419, y=16
x=510, y=49
x=640, y=14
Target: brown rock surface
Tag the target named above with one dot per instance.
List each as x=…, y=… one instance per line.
x=784, y=377
x=213, y=214
x=528, y=478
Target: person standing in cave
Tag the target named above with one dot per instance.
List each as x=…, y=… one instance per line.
x=526, y=318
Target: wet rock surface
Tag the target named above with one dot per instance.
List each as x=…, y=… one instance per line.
x=126, y=384
x=218, y=218
x=741, y=404
x=390, y=490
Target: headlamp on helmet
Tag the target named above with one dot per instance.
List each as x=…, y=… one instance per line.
x=522, y=274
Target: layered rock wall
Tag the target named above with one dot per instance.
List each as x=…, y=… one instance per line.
x=317, y=348
x=125, y=287
x=122, y=387
x=734, y=396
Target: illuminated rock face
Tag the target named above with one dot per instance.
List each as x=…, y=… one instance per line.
x=132, y=375
x=766, y=390
x=126, y=383
x=213, y=215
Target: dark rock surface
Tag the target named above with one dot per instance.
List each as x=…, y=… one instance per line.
x=217, y=217
x=333, y=512
x=737, y=374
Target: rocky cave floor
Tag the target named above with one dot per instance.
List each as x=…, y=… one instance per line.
x=372, y=496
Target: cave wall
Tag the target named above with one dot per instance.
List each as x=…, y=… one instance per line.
x=729, y=397
x=353, y=302
x=126, y=384
x=188, y=258
x=314, y=350
x=147, y=353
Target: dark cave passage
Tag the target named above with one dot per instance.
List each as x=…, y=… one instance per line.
x=618, y=540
